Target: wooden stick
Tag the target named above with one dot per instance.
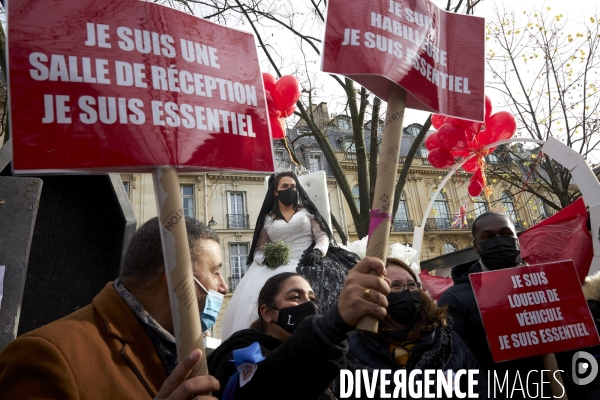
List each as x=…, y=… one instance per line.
x=178, y=267
x=383, y=198
x=552, y=371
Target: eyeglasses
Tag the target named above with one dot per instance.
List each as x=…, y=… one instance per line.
x=411, y=286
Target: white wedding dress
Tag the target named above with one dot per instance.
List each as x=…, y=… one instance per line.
x=299, y=233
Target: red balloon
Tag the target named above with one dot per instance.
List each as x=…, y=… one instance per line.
x=272, y=106
x=503, y=126
x=437, y=120
x=478, y=175
x=289, y=112
x=432, y=142
x=488, y=108
x=483, y=138
x=441, y=158
x=287, y=91
x=277, y=128
x=471, y=128
x=460, y=152
x=472, y=165
x=269, y=81
x=453, y=136
x=475, y=187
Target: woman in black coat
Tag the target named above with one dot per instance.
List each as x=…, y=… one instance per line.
x=415, y=334
x=291, y=352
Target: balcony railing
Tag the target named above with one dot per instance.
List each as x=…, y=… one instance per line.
x=445, y=224
x=403, y=225
x=350, y=156
x=233, y=282
x=239, y=221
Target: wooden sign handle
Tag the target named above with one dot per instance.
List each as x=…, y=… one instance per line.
x=383, y=198
x=554, y=374
x=178, y=267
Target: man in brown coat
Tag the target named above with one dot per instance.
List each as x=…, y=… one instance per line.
x=121, y=346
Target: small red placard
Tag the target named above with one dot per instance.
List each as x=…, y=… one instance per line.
x=436, y=56
x=533, y=310
x=109, y=86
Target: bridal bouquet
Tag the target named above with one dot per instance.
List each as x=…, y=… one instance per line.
x=277, y=253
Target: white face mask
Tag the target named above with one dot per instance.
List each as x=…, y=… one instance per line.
x=212, y=306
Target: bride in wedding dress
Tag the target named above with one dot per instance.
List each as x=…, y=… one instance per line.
x=289, y=215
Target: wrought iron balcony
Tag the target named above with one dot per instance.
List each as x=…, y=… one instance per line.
x=233, y=282
x=445, y=224
x=239, y=221
x=403, y=225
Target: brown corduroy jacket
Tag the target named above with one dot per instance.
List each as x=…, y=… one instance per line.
x=99, y=352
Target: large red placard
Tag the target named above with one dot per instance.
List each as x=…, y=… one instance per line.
x=533, y=310
x=438, y=57
x=109, y=86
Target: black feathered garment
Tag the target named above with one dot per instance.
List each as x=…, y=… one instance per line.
x=300, y=368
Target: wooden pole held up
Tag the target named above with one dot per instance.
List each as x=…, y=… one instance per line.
x=387, y=173
x=178, y=267
x=554, y=376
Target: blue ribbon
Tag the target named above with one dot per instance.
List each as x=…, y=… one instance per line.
x=247, y=355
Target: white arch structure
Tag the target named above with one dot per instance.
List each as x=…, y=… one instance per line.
x=580, y=171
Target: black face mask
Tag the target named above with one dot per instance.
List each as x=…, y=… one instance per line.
x=404, y=306
x=499, y=252
x=290, y=317
x=288, y=196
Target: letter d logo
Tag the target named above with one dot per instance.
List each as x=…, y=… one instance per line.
x=581, y=363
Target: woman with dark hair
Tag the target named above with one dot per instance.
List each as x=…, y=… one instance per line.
x=415, y=334
x=288, y=214
x=291, y=352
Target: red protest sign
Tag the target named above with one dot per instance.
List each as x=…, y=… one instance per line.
x=533, y=310
x=130, y=85
x=438, y=57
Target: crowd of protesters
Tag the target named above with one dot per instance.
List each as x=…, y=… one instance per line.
x=122, y=346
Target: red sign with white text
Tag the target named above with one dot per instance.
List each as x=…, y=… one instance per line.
x=111, y=86
x=436, y=56
x=533, y=310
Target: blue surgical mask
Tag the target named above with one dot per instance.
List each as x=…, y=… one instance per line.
x=212, y=306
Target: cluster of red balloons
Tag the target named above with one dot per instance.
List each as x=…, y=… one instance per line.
x=457, y=137
x=282, y=95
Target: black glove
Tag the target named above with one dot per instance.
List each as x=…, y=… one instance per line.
x=311, y=258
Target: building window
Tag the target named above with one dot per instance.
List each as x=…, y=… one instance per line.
x=349, y=146
x=315, y=162
x=237, y=217
x=187, y=198
x=343, y=123
x=238, y=253
x=401, y=221
x=356, y=194
x=542, y=209
x=279, y=160
x=449, y=248
x=509, y=208
x=479, y=206
x=413, y=130
x=423, y=152
x=127, y=187
x=443, y=219
x=492, y=159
